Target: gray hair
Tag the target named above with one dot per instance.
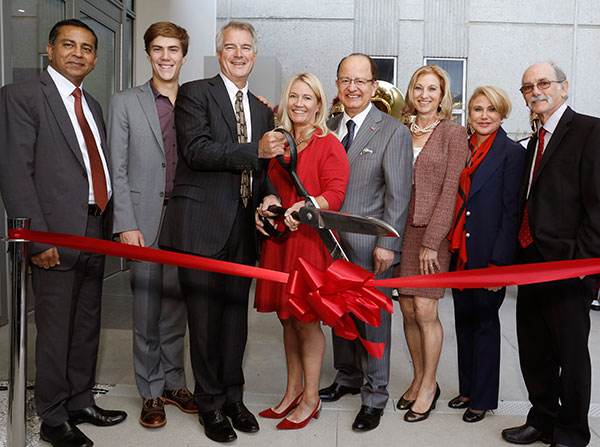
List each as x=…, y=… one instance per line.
x=559, y=74
x=237, y=24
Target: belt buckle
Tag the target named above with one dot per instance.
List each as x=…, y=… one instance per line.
x=94, y=210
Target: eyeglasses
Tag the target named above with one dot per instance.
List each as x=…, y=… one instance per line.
x=542, y=85
x=359, y=82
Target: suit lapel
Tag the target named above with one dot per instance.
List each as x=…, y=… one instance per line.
x=561, y=129
x=490, y=163
x=368, y=129
x=60, y=114
x=256, y=118
x=221, y=98
x=148, y=103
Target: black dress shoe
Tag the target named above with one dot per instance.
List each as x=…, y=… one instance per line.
x=241, y=417
x=334, y=391
x=367, y=418
x=456, y=403
x=471, y=416
x=97, y=416
x=64, y=435
x=413, y=416
x=525, y=434
x=557, y=444
x=217, y=427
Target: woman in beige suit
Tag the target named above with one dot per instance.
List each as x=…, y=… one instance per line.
x=440, y=149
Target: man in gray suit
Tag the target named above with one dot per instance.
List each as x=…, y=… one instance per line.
x=142, y=144
x=380, y=154
x=54, y=170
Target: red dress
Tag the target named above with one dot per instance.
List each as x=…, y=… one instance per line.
x=324, y=171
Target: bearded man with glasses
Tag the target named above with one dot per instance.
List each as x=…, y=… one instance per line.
x=560, y=210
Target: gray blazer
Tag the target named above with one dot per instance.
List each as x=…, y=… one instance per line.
x=42, y=174
x=135, y=143
x=380, y=158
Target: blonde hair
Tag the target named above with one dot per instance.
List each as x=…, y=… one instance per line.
x=321, y=116
x=445, y=107
x=496, y=96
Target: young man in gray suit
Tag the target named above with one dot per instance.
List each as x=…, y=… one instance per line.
x=54, y=170
x=379, y=150
x=142, y=144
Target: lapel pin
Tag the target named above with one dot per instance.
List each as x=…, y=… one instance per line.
x=365, y=151
x=372, y=128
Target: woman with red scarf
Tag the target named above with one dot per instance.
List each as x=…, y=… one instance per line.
x=484, y=234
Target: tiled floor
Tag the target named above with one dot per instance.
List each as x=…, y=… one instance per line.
x=265, y=380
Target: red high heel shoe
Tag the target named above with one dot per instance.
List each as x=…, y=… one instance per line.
x=286, y=424
x=271, y=414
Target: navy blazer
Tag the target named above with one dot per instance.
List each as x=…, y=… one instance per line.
x=492, y=210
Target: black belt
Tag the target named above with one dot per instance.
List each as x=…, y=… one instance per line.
x=166, y=201
x=94, y=210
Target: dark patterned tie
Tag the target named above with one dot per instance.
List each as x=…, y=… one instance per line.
x=347, y=140
x=98, y=175
x=525, y=237
x=242, y=135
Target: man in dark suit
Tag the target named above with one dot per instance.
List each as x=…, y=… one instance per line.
x=220, y=180
x=143, y=153
x=380, y=155
x=54, y=170
x=560, y=209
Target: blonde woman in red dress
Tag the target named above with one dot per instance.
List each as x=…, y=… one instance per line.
x=323, y=170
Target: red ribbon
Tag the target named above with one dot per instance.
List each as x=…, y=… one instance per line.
x=333, y=295
x=341, y=290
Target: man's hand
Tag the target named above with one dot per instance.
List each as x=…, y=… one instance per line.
x=46, y=259
x=133, y=237
x=382, y=259
x=271, y=145
x=262, y=210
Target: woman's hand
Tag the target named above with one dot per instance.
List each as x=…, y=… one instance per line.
x=428, y=261
x=288, y=220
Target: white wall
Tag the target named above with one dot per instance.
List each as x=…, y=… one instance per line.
x=197, y=17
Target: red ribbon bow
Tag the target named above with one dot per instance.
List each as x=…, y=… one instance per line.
x=331, y=296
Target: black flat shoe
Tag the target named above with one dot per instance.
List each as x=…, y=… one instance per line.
x=413, y=416
x=97, y=416
x=404, y=404
x=471, y=416
x=457, y=404
x=217, y=427
x=241, y=417
x=64, y=435
x=367, y=418
x=335, y=391
x=525, y=434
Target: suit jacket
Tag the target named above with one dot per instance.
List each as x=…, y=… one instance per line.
x=564, y=200
x=436, y=175
x=138, y=161
x=492, y=206
x=42, y=174
x=206, y=193
x=380, y=158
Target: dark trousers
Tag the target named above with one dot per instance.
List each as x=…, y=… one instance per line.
x=217, y=306
x=67, y=318
x=553, y=326
x=478, y=342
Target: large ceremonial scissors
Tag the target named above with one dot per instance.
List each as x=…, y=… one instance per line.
x=323, y=220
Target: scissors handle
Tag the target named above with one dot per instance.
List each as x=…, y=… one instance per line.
x=290, y=166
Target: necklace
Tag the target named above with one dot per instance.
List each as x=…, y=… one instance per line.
x=299, y=142
x=414, y=128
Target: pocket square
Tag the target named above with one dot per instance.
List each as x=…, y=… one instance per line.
x=366, y=151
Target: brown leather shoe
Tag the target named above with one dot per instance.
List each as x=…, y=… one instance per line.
x=153, y=413
x=182, y=398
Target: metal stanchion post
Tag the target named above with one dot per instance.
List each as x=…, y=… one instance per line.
x=17, y=380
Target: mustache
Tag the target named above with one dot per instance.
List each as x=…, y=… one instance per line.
x=537, y=98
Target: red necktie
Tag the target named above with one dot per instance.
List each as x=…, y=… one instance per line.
x=525, y=237
x=98, y=176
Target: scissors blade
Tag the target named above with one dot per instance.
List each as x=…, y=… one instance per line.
x=348, y=223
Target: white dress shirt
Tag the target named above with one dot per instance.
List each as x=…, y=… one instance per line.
x=550, y=126
x=342, y=130
x=65, y=89
x=232, y=90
